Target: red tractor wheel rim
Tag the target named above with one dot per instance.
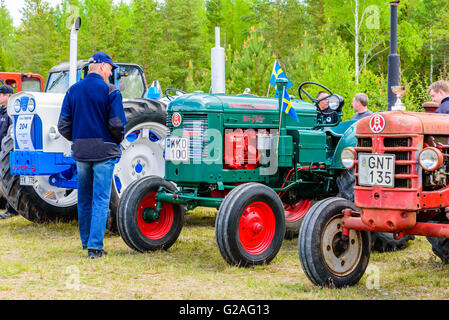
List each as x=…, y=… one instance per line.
x=297, y=211
x=156, y=229
x=257, y=227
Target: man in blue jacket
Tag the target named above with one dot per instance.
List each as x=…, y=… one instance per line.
x=93, y=118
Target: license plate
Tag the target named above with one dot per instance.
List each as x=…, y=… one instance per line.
x=376, y=170
x=27, y=180
x=177, y=149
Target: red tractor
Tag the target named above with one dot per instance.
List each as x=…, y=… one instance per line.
x=401, y=166
x=23, y=81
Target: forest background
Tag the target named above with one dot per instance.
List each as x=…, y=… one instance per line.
x=343, y=44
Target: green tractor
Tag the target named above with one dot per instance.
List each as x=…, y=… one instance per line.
x=238, y=153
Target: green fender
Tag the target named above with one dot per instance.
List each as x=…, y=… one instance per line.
x=346, y=130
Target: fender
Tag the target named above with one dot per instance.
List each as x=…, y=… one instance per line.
x=347, y=139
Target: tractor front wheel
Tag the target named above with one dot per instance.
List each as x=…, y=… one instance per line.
x=250, y=225
x=140, y=225
x=326, y=257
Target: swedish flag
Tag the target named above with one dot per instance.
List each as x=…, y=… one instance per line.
x=287, y=106
x=279, y=73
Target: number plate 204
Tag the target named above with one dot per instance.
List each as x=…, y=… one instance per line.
x=376, y=170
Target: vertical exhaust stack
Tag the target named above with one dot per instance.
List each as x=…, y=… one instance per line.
x=74, y=51
x=217, y=65
x=393, y=57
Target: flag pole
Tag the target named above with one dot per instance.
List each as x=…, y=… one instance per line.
x=281, y=83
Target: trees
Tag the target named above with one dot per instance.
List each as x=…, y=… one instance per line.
x=321, y=40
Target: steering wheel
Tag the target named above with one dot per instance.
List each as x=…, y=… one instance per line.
x=302, y=90
x=170, y=97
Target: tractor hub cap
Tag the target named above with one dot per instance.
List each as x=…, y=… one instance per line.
x=152, y=224
x=340, y=257
x=142, y=151
x=297, y=211
x=257, y=227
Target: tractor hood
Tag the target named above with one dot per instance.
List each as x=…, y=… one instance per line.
x=244, y=110
x=400, y=122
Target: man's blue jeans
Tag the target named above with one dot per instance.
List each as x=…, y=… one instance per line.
x=94, y=193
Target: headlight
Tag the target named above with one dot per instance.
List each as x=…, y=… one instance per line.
x=17, y=105
x=348, y=157
x=430, y=159
x=336, y=102
x=31, y=105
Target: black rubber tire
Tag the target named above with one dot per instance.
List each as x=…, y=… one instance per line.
x=228, y=219
x=127, y=220
x=385, y=242
x=440, y=246
x=310, y=241
x=346, y=183
x=24, y=199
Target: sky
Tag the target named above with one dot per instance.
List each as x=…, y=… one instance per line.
x=14, y=6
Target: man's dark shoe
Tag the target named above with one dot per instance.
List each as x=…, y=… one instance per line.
x=9, y=214
x=93, y=253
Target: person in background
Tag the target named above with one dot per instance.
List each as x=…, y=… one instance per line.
x=326, y=116
x=439, y=91
x=93, y=117
x=5, y=121
x=360, y=105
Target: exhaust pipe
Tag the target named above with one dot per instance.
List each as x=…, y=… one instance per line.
x=217, y=65
x=393, y=57
x=74, y=51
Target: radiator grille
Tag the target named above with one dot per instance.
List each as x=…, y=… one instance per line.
x=194, y=127
x=390, y=146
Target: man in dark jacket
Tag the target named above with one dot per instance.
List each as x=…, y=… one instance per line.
x=325, y=115
x=5, y=121
x=93, y=118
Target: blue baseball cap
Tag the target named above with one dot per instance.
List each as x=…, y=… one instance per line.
x=101, y=57
x=6, y=89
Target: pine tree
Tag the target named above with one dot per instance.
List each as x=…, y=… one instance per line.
x=37, y=38
x=251, y=66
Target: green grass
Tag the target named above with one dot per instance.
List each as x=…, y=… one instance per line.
x=45, y=261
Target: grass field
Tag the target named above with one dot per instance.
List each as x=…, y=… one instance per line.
x=47, y=262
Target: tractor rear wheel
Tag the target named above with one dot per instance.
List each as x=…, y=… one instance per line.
x=140, y=226
x=250, y=225
x=142, y=150
x=385, y=242
x=294, y=215
x=326, y=258
x=440, y=246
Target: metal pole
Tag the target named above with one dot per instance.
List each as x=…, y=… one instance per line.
x=393, y=57
x=73, y=51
